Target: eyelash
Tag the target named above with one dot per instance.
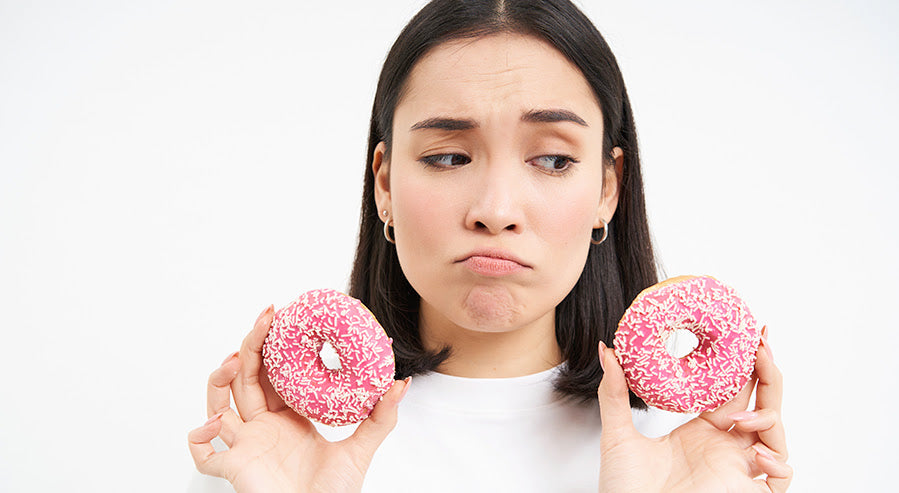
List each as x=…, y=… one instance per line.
x=568, y=160
x=433, y=160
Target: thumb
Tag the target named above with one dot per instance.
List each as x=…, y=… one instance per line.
x=614, y=405
x=375, y=428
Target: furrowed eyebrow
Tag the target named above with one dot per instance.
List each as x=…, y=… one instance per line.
x=552, y=116
x=536, y=116
x=445, y=124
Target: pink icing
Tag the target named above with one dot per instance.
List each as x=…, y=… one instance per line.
x=711, y=374
x=291, y=355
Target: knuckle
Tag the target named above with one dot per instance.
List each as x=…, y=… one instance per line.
x=215, y=381
x=203, y=466
x=221, y=409
x=603, y=391
x=220, y=378
x=250, y=379
x=770, y=415
x=245, y=345
x=776, y=375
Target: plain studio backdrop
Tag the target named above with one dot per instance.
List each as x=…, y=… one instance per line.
x=170, y=168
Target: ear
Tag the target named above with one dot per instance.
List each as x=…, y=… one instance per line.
x=380, y=168
x=611, y=185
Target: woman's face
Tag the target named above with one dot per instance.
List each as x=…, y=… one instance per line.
x=495, y=181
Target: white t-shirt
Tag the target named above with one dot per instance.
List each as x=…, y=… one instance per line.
x=458, y=434
x=483, y=434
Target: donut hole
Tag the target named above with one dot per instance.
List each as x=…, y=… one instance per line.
x=681, y=342
x=330, y=358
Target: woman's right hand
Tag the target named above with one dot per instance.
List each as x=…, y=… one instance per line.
x=271, y=448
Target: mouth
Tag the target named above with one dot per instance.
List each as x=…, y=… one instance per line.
x=492, y=262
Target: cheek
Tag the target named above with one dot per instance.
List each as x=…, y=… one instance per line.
x=423, y=221
x=569, y=220
x=566, y=228
x=415, y=211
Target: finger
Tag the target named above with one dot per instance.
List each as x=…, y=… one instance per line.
x=770, y=387
x=218, y=391
x=766, y=424
x=248, y=394
x=779, y=473
x=199, y=441
x=230, y=423
x=719, y=417
x=614, y=405
x=375, y=428
x=273, y=401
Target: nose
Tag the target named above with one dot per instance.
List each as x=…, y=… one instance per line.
x=496, y=202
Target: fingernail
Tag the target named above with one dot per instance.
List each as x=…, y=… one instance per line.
x=210, y=420
x=602, y=352
x=762, y=452
x=764, y=332
x=743, y=416
x=406, y=383
x=262, y=314
x=230, y=357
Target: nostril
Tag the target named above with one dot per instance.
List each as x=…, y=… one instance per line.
x=493, y=227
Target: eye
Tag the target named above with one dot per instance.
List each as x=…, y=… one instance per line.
x=445, y=160
x=554, y=164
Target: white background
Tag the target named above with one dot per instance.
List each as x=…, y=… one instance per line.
x=170, y=168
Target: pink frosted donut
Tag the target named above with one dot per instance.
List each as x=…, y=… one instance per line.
x=715, y=371
x=315, y=385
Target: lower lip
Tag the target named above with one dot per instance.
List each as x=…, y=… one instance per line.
x=490, y=266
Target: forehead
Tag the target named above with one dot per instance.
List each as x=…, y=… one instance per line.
x=496, y=73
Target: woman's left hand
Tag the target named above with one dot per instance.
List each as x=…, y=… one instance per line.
x=722, y=450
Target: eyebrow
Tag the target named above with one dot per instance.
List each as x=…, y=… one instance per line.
x=535, y=116
x=553, y=116
x=445, y=124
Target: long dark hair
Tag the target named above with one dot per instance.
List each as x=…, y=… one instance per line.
x=615, y=271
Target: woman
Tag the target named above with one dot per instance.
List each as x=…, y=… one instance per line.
x=503, y=233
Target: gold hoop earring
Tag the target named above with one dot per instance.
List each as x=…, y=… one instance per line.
x=605, y=233
x=387, y=231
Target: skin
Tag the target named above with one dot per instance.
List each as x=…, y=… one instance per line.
x=270, y=447
x=490, y=186
x=721, y=450
x=494, y=186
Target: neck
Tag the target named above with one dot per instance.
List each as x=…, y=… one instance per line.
x=511, y=352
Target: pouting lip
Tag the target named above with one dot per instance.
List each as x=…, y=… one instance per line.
x=492, y=253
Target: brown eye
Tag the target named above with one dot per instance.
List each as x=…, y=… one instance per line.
x=553, y=164
x=446, y=160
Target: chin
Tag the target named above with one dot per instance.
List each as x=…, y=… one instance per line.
x=490, y=306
